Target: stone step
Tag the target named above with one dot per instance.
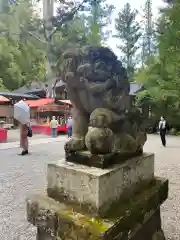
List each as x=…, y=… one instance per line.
x=136, y=219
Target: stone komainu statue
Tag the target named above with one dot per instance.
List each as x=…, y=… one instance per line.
x=104, y=120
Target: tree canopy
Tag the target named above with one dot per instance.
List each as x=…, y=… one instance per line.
x=128, y=32
x=77, y=25
x=161, y=76
x=26, y=43
x=21, y=56
x=97, y=15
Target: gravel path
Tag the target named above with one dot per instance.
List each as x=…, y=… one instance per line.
x=23, y=176
x=167, y=164
x=20, y=177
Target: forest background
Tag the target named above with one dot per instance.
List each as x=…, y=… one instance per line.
x=148, y=45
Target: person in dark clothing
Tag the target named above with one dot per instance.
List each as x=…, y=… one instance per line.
x=163, y=130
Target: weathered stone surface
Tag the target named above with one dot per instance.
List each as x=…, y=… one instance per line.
x=67, y=223
x=98, y=88
x=100, y=160
x=150, y=229
x=93, y=189
x=42, y=234
x=135, y=219
x=159, y=235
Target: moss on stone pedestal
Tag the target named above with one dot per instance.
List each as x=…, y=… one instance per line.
x=62, y=221
x=66, y=222
x=133, y=214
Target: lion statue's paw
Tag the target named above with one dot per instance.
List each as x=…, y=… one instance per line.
x=74, y=145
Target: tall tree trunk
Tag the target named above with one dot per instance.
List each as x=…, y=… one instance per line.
x=48, y=10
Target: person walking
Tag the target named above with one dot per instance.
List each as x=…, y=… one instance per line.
x=24, y=139
x=163, y=130
x=53, y=124
x=69, y=126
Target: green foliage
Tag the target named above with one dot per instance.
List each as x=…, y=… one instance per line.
x=85, y=28
x=97, y=16
x=161, y=76
x=149, y=46
x=128, y=32
x=65, y=30
x=173, y=131
x=31, y=44
x=71, y=35
x=21, y=55
x=2, y=88
x=94, y=36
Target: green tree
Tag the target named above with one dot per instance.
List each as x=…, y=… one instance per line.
x=128, y=32
x=97, y=17
x=2, y=88
x=21, y=54
x=71, y=35
x=54, y=30
x=148, y=42
x=161, y=77
x=10, y=72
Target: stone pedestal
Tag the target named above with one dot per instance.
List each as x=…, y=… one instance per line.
x=95, y=189
x=43, y=234
x=121, y=202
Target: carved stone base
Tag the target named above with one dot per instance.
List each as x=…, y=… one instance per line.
x=43, y=235
x=159, y=235
x=151, y=230
x=136, y=219
x=100, y=160
x=95, y=189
